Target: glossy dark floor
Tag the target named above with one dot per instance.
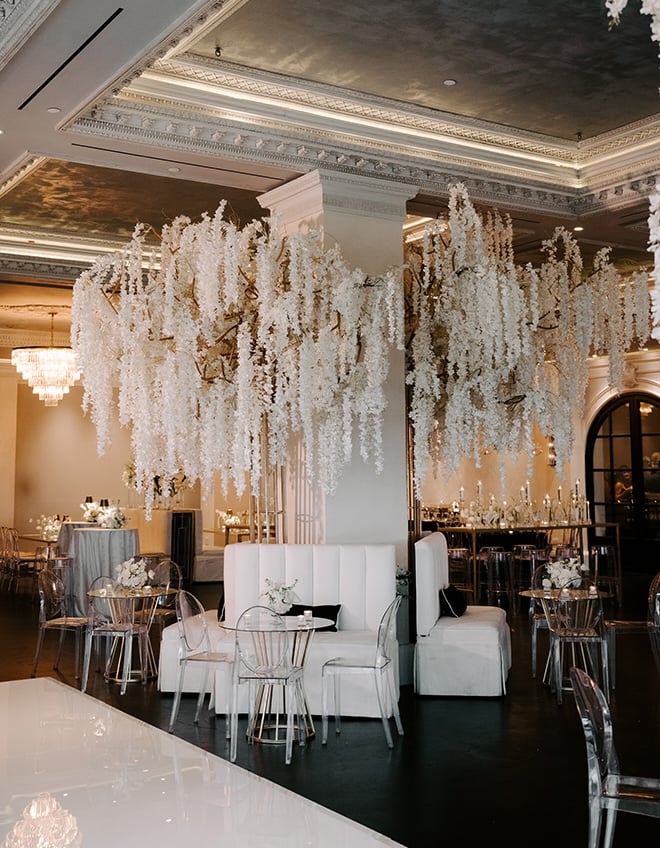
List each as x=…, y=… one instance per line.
x=467, y=772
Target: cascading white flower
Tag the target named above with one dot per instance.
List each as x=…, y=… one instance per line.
x=494, y=349
x=223, y=344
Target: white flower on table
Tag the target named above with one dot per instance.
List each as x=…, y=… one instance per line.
x=133, y=573
x=49, y=527
x=111, y=518
x=563, y=571
x=278, y=596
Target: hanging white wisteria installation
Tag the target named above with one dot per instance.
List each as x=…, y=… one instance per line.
x=219, y=344
x=494, y=349
x=652, y=8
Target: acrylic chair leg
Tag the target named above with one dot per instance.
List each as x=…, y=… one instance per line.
x=177, y=696
x=86, y=661
x=233, y=734
x=202, y=693
x=40, y=639
x=395, y=703
x=324, y=708
x=290, y=702
x=378, y=677
x=59, y=649
x=126, y=669
x=610, y=821
x=611, y=650
x=337, y=693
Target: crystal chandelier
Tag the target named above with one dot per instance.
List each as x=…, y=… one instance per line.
x=49, y=371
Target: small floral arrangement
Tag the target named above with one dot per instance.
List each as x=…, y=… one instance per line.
x=49, y=527
x=278, y=596
x=133, y=573
x=564, y=571
x=227, y=518
x=111, y=518
x=91, y=511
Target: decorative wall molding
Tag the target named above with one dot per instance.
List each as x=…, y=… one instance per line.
x=47, y=269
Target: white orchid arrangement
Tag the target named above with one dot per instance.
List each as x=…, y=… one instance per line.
x=563, y=572
x=278, y=596
x=133, y=573
x=226, y=519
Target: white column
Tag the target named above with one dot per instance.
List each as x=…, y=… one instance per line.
x=365, y=217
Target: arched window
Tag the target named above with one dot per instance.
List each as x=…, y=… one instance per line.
x=623, y=475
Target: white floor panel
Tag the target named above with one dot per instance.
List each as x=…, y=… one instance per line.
x=125, y=782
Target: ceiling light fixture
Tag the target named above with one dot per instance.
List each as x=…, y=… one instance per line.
x=49, y=371
x=449, y=82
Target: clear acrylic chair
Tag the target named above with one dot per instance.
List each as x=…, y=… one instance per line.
x=460, y=569
x=380, y=667
x=606, y=568
x=195, y=649
x=53, y=617
x=577, y=633
x=609, y=790
x=112, y=618
x=650, y=625
x=262, y=659
x=538, y=619
x=167, y=575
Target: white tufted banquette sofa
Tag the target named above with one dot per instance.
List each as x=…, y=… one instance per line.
x=470, y=655
x=362, y=578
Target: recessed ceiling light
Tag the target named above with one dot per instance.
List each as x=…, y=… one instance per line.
x=53, y=110
x=578, y=229
x=449, y=82
x=174, y=170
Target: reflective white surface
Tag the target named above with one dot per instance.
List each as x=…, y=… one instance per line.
x=126, y=782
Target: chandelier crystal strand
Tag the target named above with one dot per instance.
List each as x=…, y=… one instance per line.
x=49, y=371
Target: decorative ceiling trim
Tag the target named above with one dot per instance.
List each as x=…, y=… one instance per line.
x=27, y=165
x=19, y=19
x=32, y=338
x=29, y=267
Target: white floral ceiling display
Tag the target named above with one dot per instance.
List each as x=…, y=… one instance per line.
x=652, y=8
x=494, y=349
x=219, y=344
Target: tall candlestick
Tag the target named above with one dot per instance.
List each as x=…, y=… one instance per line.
x=461, y=494
x=577, y=489
x=527, y=497
x=479, y=490
x=559, y=494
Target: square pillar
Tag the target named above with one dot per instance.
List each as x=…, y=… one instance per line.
x=365, y=217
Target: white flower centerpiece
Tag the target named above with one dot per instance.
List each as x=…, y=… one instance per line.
x=562, y=572
x=91, y=511
x=278, y=596
x=111, y=518
x=49, y=527
x=133, y=573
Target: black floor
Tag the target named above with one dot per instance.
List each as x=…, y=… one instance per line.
x=468, y=771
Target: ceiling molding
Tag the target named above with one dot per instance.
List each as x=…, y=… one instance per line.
x=18, y=21
x=29, y=267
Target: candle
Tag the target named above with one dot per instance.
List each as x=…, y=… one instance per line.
x=577, y=489
x=527, y=497
x=559, y=493
x=479, y=490
x=461, y=494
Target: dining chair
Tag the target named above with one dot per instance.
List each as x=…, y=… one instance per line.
x=538, y=620
x=195, y=649
x=605, y=566
x=380, y=667
x=574, y=614
x=609, y=790
x=112, y=618
x=262, y=659
x=53, y=617
x=650, y=625
x=167, y=575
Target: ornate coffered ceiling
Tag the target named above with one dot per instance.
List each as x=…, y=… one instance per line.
x=113, y=115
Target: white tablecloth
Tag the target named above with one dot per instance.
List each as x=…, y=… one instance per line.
x=94, y=553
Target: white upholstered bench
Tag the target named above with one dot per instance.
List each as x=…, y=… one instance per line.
x=470, y=655
x=362, y=578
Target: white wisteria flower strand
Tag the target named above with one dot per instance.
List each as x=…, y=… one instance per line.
x=221, y=344
x=493, y=348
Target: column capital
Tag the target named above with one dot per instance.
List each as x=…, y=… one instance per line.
x=308, y=197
